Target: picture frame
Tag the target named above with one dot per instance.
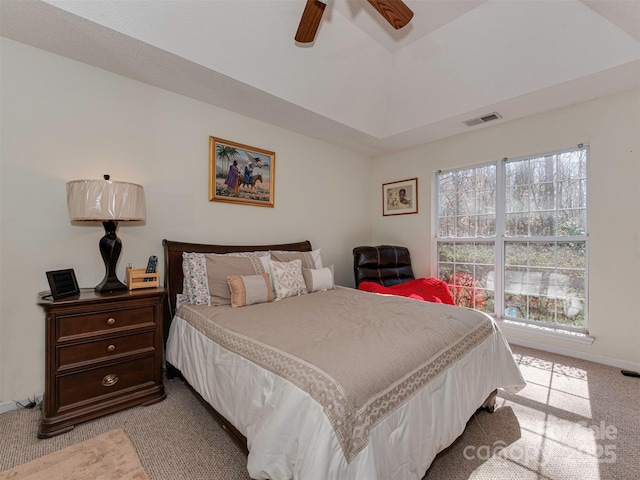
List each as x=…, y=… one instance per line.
x=400, y=197
x=253, y=168
x=63, y=283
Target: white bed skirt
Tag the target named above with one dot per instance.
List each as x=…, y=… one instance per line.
x=289, y=436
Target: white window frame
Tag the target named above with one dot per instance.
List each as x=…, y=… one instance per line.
x=500, y=240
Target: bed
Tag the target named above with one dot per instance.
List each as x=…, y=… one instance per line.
x=321, y=385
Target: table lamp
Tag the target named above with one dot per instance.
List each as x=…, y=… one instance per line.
x=107, y=202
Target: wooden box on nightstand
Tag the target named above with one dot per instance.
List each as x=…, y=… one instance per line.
x=103, y=354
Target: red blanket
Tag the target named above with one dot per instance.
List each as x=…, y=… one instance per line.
x=427, y=289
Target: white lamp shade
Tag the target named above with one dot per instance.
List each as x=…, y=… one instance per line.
x=105, y=200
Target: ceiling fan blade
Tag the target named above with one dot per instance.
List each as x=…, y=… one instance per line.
x=394, y=11
x=310, y=21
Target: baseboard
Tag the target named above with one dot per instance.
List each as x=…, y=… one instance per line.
x=9, y=406
x=612, y=362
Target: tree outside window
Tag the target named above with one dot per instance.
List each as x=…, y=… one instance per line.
x=512, y=238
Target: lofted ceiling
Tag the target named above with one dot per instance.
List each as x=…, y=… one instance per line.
x=360, y=84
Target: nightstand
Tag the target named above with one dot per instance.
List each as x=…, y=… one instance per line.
x=103, y=354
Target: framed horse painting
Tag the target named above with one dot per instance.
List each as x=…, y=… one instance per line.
x=240, y=173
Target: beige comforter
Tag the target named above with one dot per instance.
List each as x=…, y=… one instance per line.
x=356, y=362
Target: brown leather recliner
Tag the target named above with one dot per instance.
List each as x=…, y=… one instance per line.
x=384, y=264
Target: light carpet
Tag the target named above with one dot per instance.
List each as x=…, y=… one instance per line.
x=105, y=457
x=575, y=420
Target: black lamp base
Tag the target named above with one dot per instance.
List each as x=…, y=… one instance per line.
x=110, y=286
x=110, y=247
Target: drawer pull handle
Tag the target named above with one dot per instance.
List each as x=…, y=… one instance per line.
x=111, y=321
x=111, y=348
x=110, y=380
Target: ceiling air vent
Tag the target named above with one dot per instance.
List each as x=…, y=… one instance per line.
x=484, y=119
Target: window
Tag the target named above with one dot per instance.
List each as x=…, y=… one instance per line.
x=512, y=238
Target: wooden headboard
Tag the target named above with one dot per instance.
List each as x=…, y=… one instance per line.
x=173, y=276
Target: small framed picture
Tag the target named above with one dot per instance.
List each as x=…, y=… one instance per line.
x=240, y=173
x=400, y=198
x=63, y=283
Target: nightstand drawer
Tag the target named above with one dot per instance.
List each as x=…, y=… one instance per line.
x=103, y=354
x=108, y=380
x=72, y=355
x=104, y=321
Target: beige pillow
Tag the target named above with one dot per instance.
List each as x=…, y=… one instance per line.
x=287, y=278
x=219, y=267
x=249, y=289
x=309, y=259
x=318, y=279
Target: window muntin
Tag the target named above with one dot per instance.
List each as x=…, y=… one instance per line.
x=544, y=282
x=546, y=196
x=466, y=266
x=466, y=200
x=531, y=215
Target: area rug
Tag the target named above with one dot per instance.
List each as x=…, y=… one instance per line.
x=105, y=457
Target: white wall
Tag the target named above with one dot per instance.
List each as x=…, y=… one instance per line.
x=64, y=120
x=611, y=126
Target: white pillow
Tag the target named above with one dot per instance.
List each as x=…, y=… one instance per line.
x=287, y=278
x=318, y=279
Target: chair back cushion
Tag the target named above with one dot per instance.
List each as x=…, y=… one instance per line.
x=385, y=264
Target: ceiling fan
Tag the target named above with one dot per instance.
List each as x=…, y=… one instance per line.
x=394, y=11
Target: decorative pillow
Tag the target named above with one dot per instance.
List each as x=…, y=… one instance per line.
x=186, y=274
x=219, y=267
x=181, y=299
x=287, y=278
x=249, y=289
x=309, y=259
x=195, y=285
x=318, y=279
